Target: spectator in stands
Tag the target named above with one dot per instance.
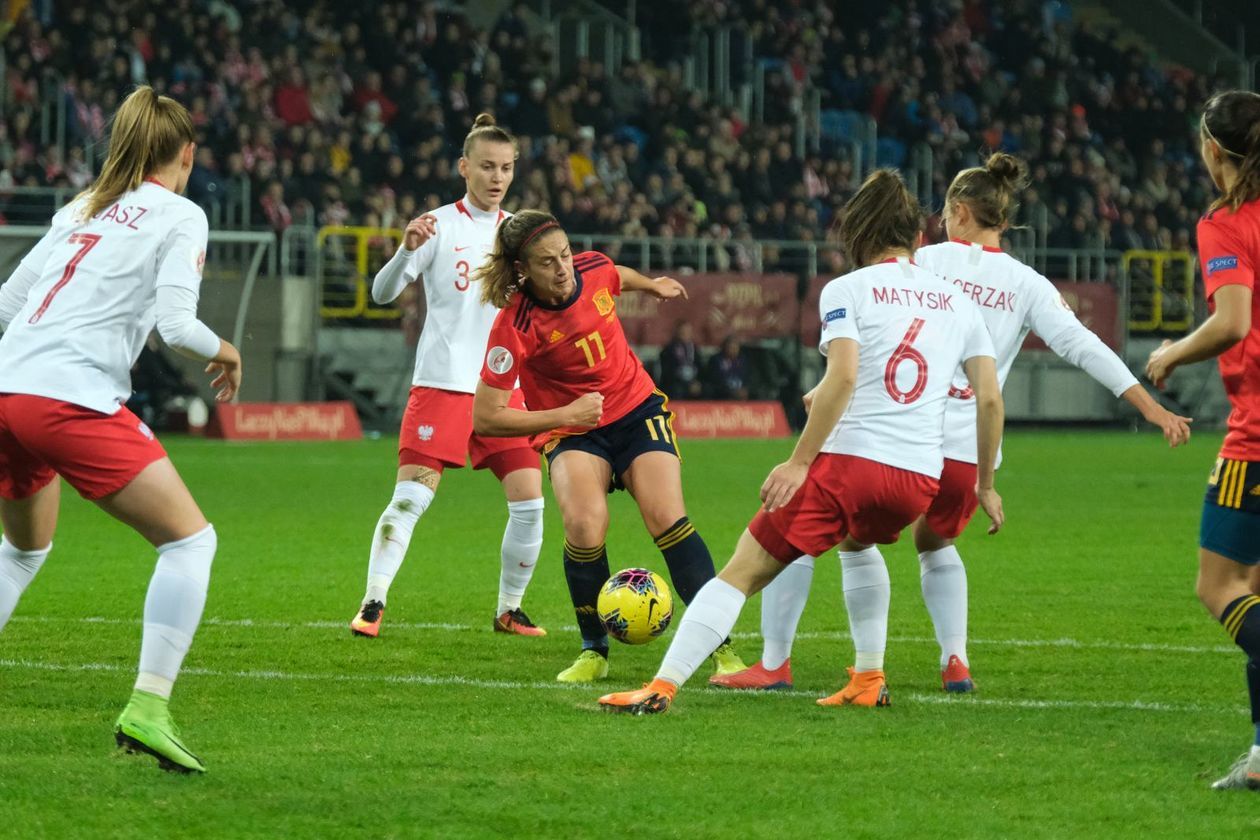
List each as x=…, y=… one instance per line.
x=680, y=363
x=725, y=375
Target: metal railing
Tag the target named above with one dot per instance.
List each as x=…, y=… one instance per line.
x=345, y=260
x=1160, y=300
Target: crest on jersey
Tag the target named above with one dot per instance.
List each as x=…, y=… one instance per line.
x=603, y=301
x=425, y=432
x=499, y=360
x=555, y=336
x=144, y=429
x=199, y=259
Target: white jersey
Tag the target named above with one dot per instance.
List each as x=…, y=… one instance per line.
x=453, y=343
x=1013, y=299
x=914, y=330
x=88, y=315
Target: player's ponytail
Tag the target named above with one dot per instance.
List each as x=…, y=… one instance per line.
x=881, y=216
x=485, y=128
x=989, y=191
x=148, y=131
x=498, y=275
x=1232, y=120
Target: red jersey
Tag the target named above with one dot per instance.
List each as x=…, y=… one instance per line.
x=1229, y=250
x=562, y=352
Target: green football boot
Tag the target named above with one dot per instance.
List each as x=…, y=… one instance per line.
x=726, y=660
x=145, y=726
x=588, y=667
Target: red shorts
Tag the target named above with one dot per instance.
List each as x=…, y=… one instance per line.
x=843, y=496
x=97, y=453
x=437, y=431
x=955, y=502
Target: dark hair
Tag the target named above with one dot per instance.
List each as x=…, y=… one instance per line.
x=485, y=128
x=881, y=215
x=498, y=273
x=990, y=190
x=1232, y=119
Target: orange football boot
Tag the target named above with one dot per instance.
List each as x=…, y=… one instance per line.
x=957, y=677
x=652, y=699
x=368, y=621
x=865, y=688
x=756, y=678
x=517, y=623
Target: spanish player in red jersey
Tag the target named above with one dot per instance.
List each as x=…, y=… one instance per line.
x=869, y=460
x=594, y=412
x=1229, y=251
x=122, y=258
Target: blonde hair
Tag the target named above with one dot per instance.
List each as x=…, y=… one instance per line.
x=147, y=132
x=989, y=190
x=485, y=128
x=882, y=215
x=499, y=281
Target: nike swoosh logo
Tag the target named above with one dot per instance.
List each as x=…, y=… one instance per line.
x=651, y=606
x=465, y=248
x=529, y=565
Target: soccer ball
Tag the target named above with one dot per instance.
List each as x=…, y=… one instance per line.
x=635, y=606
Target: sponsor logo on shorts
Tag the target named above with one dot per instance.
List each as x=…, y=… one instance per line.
x=144, y=429
x=425, y=432
x=499, y=360
x=603, y=301
x=835, y=315
x=1221, y=264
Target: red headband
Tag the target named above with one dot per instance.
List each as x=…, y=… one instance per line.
x=533, y=233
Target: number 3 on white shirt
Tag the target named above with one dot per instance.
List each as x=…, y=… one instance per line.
x=461, y=268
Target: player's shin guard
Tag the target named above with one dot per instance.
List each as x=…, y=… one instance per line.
x=172, y=608
x=866, y=595
x=706, y=623
x=392, y=536
x=522, y=540
x=1241, y=620
x=686, y=555
x=17, y=570
x=944, y=581
x=782, y=602
x=586, y=571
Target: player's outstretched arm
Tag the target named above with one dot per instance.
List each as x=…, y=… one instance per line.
x=1227, y=326
x=826, y=407
x=990, y=414
x=664, y=288
x=1176, y=429
x=493, y=417
x=389, y=282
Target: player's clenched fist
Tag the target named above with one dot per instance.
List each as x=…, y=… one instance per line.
x=586, y=410
x=419, y=231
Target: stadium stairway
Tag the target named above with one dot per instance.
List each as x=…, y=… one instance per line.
x=369, y=367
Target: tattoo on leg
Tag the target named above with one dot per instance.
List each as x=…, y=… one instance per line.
x=426, y=476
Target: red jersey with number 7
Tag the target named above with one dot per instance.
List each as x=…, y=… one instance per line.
x=562, y=352
x=1229, y=250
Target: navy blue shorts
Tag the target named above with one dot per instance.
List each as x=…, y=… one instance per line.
x=649, y=428
x=1231, y=511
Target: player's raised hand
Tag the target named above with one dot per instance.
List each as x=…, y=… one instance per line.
x=1160, y=364
x=227, y=366
x=1176, y=428
x=992, y=504
x=782, y=483
x=586, y=410
x=667, y=288
x=419, y=231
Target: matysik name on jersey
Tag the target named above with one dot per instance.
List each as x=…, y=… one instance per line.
x=913, y=297
x=987, y=296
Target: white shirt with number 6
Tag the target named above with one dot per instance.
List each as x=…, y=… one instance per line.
x=457, y=324
x=913, y=330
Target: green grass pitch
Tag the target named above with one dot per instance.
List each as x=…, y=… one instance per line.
x=1107, y=698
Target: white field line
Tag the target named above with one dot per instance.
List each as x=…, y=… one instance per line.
x=821, y=635
x=593, y=691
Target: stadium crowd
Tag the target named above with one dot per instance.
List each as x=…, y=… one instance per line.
x=353, y=112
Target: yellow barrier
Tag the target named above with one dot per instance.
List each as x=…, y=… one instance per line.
x=1161, y=288
x=361, y=305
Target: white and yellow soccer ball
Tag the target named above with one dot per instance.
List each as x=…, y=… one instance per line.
x=635, y=606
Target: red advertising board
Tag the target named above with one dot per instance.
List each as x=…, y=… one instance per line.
x=696, y=419
x=747, y=306
x=285, y=421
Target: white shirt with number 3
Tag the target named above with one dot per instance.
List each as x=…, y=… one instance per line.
x=913, y=330
x=457, y=324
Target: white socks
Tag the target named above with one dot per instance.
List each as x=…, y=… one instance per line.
x=866, y=596
x=522, y=540
x=782, y=603
x=393, y=535
x=172, y=608
x=707, y=622
x=17, y=570
x=944, y=583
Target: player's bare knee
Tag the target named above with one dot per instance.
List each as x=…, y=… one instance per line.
x=585, y=529
x=427, y=476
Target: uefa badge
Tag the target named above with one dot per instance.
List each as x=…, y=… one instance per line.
x=499, y=360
